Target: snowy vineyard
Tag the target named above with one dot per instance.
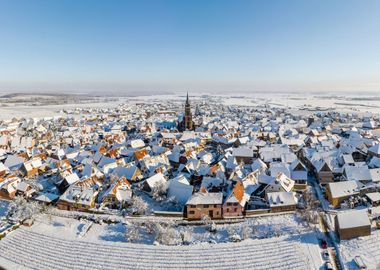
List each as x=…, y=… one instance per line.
x=33, y=250
x=366, y=247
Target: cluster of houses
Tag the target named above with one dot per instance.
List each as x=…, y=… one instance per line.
x=233, y=161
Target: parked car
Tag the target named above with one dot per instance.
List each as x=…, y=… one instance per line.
x=323, y=244
x=326, y=255
x=329, y=266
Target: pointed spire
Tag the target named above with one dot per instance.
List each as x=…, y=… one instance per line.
x=187, y=98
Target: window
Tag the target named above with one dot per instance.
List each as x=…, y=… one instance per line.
x=191, y=212
x=235, y=209
x=192, y=206
x=205, y=206
x=228, y=210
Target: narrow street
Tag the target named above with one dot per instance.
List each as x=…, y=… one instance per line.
x=322, y=224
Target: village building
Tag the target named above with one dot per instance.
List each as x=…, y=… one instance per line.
x=352, y=224
x=204, y=204
x=281, y=201
x=243, y=155
x=180, y=189
x=373, y=198
x=118, y=195
x=154, y=181
x=337, y=192
x=235, y=201
x=77, y=198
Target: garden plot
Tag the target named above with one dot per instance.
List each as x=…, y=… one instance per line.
x=366, y=247
x=29, y=249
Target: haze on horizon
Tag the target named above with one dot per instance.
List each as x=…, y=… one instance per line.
x=214, y=45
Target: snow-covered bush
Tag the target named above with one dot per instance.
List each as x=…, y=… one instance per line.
x=133, y=233
x=210, y=225
x=166, y=234
x=150, y=226
x=187, y=237
x=246, y=231
x=233, y=235
x=20, y=209
x=310, y=216
x=138, y=206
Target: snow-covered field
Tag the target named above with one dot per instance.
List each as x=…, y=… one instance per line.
x=33, y=250
x=368, y=248
x=369, y=103
x=65, y=243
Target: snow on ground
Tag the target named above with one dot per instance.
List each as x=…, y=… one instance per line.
x=64, y=243
x=344, y=102
x=262, y=227
x=3, y=208
x=367, y=247
x=30, y=249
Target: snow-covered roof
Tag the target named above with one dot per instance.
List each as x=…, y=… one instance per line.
x=242, y=152
x=205, y=198
x=3, y=167
x=357, y=173
x=155, y=179
x=344, y=188
x=72, y=178
x=375, y=149
x=47, y=197
x=258, y=164
x=353, y=219
x=180, y=189
x=138, y=143
x=13, y=161
x=374, y=196
x=281, y=199
x=375, y=174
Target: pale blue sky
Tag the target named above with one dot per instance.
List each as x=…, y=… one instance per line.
x=194, y=45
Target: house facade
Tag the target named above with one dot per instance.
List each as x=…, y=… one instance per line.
x=204, y=204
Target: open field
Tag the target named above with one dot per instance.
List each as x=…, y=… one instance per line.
x=366, y=247
x=33, y=250
x=43, y=106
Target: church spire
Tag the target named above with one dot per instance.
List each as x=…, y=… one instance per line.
x=187, y=98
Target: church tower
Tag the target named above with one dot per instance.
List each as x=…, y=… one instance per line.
x=188, y=116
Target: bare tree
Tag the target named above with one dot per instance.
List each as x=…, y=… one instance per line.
x=245, y=231
x=233, y=234
x=138, y=206
x=159, y=191
x=210, y=225
x=187, y=237
x=133, y=234
x=20, y=209
x=166, y=234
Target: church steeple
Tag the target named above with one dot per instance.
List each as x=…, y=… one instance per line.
x=188, y=116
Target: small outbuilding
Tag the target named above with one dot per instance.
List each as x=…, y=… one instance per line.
x=352, y=224
x=373, y=198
